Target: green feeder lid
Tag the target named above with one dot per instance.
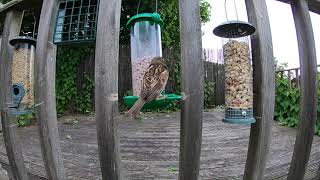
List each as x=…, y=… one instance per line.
x=152, y=17
x=23, y=39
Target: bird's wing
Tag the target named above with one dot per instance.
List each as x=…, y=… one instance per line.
x=153, y=91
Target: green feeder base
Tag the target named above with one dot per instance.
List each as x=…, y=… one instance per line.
x=238, y=116
x=160, y=103
x=239, y=121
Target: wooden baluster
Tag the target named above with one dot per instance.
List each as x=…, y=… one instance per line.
x=289, y=79
x=308, y=104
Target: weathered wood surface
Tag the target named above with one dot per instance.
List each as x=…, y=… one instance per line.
x=192, y=89
x=106, y=87
x=45, y=97
x=308, y=101
x=263, y=89
x=11, y=29
x=150, y=149
x=13, y=147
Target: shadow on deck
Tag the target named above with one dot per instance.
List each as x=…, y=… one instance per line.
x=150, y=149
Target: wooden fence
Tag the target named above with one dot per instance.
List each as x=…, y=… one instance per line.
x=213, y=72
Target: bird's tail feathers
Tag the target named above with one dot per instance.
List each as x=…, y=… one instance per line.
x=135, y=109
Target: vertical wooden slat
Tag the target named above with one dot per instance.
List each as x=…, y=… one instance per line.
x=45, y=67
x=216, y=88
x=308, y=104
x=106, y=87
x=297, y=78
x=9, y=125
x=264, y=90
x=192, y=87
x=13, y=146
x=289, y=78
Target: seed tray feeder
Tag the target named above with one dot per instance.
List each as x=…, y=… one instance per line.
x=76, y=22
x=22, y=75
x=161, y=103
x=145, y=40
x=238, y=69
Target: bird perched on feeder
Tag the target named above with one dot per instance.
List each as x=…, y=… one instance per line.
x=153, y=83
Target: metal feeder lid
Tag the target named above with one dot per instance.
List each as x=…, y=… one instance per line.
x=234, y=29
x=23, y=39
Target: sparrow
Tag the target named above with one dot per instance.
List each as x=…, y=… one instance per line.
x=153, y=83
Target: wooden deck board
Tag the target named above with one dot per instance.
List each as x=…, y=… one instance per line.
x=150, y=149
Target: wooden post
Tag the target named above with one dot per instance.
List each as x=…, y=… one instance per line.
x=192, y=87
x=45, y=95
x=106, y=87
x=9, y=125
x=308, y=102
x=263, y=88
x=13, y=146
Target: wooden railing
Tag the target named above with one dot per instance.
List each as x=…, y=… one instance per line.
x=293, y=76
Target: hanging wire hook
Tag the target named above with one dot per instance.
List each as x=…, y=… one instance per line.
x=138, y=6
x=235, y=6
x=156, y=6
x=225, y=9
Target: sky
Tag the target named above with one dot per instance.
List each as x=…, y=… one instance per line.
x=285, y=47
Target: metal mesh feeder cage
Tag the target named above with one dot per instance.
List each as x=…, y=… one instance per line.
x=76, y=21
x=238, y=71
x=23, y=74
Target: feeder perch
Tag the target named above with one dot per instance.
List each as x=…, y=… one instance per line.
x=238, y=70
x=23, y=75
x=76, y=22
x=145, y=40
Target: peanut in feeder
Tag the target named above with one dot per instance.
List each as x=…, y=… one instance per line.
x=238, y=71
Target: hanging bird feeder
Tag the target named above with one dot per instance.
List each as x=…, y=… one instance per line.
x=238, y=70
x=145, y=40
x=76, y=21
x=145, y=44
x=23, y=75
x=23, y=67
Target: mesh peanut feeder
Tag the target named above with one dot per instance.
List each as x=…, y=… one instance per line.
x=23, y=74
x=238, y=71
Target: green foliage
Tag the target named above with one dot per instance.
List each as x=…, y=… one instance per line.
x=169, y=11
x=68, y=60
x=208, y=88
x=25, y=120
x=287, y=102
x=84, y=98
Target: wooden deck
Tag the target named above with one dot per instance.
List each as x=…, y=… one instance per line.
x=150, y=149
